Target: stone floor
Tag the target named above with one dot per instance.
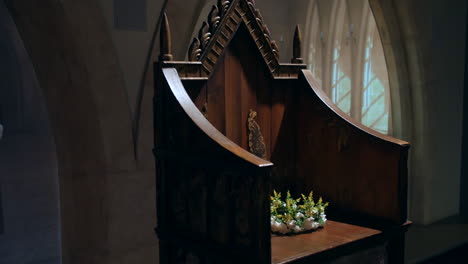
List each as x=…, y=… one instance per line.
x=423, y=243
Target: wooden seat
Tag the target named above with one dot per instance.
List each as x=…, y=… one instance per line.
x=287, y=249
x=233, y=123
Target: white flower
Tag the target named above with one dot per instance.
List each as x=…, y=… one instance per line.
x=315, y=225
x=308, y=223
x=297, y=229
x=299, y=215
x=324, y=220
x=282, y=228
x=294, y=206
x=291, y=224
x=275, y=226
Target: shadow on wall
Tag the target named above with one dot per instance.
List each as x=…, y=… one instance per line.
x=28, y=171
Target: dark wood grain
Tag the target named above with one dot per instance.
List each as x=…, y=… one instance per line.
x=287, y=249
x=179, y=92
x=203, y=178
x=355, y=168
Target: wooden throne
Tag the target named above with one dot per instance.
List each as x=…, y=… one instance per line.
x=213, y=192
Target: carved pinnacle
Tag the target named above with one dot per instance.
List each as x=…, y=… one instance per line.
x=165, y=40
x=297, y=46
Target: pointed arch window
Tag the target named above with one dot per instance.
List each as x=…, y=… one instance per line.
x=341, y=61
x=341, y=82
x=347, y=58
x=314, y=54
x=375, y=111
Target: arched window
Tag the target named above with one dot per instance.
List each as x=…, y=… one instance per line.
x=375, y=94
x=346, y=57
x=315, y=33
x=341, y=60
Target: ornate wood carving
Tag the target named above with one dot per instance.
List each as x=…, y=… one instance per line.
x=204, y=35
x=165, y=40
x=215, y=35
x=297, y=46
x=223, y=6
x=194, y=50
x=256, y=141
x=214, y=18
x=223, y=21
x=275, y=49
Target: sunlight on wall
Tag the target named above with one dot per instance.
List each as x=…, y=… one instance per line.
x=341, y=83
x=374, y=107
x=354, y=74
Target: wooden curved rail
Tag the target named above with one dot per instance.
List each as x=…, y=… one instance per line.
x=179, y=92
x=307, y=74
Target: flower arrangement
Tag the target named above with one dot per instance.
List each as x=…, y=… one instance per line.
x=296, y=215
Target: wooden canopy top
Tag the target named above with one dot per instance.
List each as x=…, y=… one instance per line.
x=224, y=20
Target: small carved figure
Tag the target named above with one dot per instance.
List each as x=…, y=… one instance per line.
x=256, y=141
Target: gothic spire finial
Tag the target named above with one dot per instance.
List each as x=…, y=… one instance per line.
x=165, y=38
x=297, y=46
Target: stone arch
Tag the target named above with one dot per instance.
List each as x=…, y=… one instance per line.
x=407, y=77
x=29, y=203
x=393, y=43
x=77, y=70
